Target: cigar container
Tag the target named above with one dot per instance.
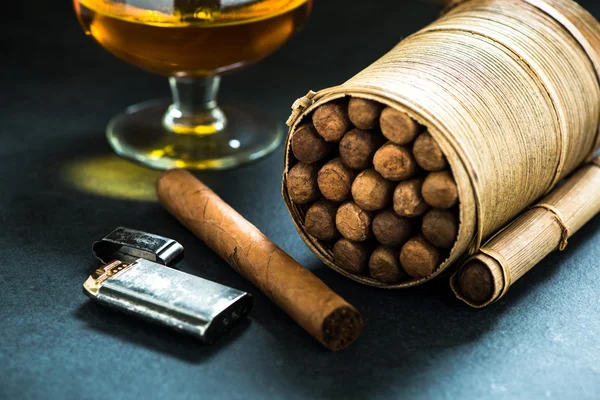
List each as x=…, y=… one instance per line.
x=138, y=278
x=509, y=90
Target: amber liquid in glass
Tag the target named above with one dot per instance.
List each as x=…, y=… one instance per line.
x=180, y=41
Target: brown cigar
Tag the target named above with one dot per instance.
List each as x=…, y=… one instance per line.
x=358, y=147
x=390, y=229
x=394, y=162
x=371, y=191
x=408, y=200
x=440, y=227
x=307, y=145
x=476, y=283
x=397, y=126
x=428, y=153
x=351, y=256
x=320, y=220
x=335, y=180
x=331, y=121
x=419, y=258
x=303, y=296
x=363, y=113
x=302, y=183
x=353, y=222
x=384, y=265
x=439, y=190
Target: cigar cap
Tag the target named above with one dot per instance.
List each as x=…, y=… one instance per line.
x=476, y=282
x=428, y=153
x=394, y=162
x=440, y=227
x=384, y=266
x=408, y=200
x=371, y=191
x=320, y=220
x=364, y=113
x=351, y=256
x=302, y=183
x=390, y=229
x=307, y=145
x=357, y=148
x=353, y=222
x=331, y=121
x=335, y=180
x=397, y=126
x=419, y=258
x=439, y=190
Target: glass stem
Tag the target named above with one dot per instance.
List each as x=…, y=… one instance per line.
x=194, y=110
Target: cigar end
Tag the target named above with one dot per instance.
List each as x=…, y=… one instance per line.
x=168, y=173
x=341, y=328
x=167, y=176
x=476, y=282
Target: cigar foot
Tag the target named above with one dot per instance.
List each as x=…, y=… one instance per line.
x=341, y=328
x=476, y=282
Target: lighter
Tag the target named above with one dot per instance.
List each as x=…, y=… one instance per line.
x=137, y=278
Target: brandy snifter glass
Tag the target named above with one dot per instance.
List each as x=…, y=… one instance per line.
x=192, y=42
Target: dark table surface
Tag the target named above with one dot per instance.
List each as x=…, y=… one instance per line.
x=63, y=188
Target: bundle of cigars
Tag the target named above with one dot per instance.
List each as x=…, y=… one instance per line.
x=433, y=160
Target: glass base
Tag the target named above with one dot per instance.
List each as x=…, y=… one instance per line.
x=139, y=135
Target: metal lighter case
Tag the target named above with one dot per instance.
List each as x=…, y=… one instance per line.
x=137, y=278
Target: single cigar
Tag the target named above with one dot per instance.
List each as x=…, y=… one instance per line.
x=353, y=222
x=331, y=121
x=364, y=113
x=371, y=191
x=390, y=229
x=419, y=258
x=307, y=145
x=357, y=148
x=320, y=220
x=440, y=227
x=439, y=190
x=394, y=162
x=384, y=265
x=475, y=281
x=397, y=126
x=302, y=183
x=351, y=256
x=428, y=153
x=335, y=180
x=303, y=296
x=408, y=200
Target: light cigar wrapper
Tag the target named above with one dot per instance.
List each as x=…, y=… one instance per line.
x=303, y=296
x=543, y=229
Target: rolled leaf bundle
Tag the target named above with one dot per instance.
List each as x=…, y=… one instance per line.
x=545, y=227
x=434, y=148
